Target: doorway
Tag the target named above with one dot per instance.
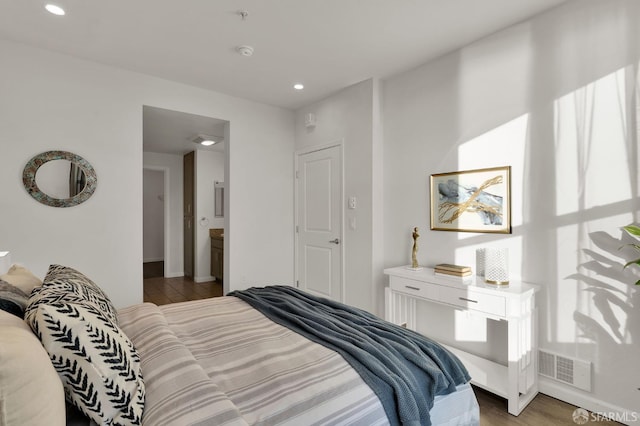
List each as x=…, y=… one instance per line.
x=153, y=229
x=167, y=136
x=319, y=253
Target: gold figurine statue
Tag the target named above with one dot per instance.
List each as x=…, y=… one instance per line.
x=414, y=251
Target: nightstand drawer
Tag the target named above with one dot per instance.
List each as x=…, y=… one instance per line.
x=414, y=288
x=487, y=303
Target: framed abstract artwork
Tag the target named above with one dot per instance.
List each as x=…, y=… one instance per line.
x=472, y=200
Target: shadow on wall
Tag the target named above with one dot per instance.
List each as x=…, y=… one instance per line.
x=612, y=291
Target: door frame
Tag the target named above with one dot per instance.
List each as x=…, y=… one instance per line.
x=296, y=245
x=167, y=211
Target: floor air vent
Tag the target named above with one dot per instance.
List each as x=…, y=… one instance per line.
x=563, y=369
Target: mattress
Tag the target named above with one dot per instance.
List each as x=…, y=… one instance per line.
x=219, y=361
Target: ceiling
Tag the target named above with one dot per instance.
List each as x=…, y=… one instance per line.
x=324, y=44
x=173, y=132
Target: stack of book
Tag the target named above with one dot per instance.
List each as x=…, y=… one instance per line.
x=461, y=273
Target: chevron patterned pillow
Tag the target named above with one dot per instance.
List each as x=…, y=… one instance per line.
x=98, y=364
x=63, y=283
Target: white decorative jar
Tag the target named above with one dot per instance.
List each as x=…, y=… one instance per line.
x=496, y=266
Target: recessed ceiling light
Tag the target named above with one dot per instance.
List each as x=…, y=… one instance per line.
x=56, y=10
x=298, y=86
x=206, y=140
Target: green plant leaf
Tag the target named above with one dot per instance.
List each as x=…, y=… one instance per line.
x=632, y=230
x=638, y=282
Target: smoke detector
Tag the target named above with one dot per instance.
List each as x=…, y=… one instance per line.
x=245, y=50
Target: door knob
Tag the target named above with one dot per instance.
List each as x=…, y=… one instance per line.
x=336, y=241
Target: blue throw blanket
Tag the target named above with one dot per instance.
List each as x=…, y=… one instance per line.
x=405, y=369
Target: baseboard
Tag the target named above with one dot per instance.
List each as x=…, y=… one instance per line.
x=203, y=279
x=153, y=259
x=173, y=274
x=577, y=398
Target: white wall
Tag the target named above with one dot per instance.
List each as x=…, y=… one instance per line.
x=171, y=165
x=348, y=117
x=555, y=98
x=51, y=101
x=152, y=215
x=209, y=169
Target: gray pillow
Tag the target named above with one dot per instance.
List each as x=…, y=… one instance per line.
x=12, y=299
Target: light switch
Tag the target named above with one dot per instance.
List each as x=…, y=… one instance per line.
x=352, y=203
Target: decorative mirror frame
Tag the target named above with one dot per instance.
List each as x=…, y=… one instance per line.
x=29, y=179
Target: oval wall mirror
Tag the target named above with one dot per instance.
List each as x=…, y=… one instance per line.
x=59, y=179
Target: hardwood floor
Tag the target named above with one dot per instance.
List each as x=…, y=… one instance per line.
x=161, y=290
x=543, y=410
x=153, y=269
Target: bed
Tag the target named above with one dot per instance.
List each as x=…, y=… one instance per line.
x=229, y=361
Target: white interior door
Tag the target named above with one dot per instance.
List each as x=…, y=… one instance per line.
x=319, y=222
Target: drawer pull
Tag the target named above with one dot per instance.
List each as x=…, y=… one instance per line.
x=411, y=288
x=467, y=300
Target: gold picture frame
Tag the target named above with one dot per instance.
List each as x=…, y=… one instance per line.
x=472, y=200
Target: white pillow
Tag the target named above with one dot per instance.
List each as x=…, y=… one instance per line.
x=31, y=392
x=21, y=277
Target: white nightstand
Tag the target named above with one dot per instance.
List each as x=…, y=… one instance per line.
x=515, y=303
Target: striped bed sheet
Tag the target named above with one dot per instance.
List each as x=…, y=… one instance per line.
x=220, y=362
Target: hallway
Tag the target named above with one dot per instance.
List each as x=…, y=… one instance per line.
x=162, y=291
